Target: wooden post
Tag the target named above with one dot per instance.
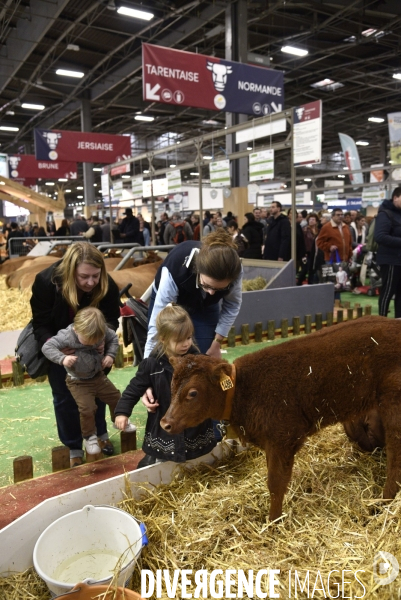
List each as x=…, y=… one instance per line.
x=347, y=304
x=308, y=323
x=258, y=332
x=18, y=373
x=119, y=360
x=284, y=328
x=271, y=328
x=245, y=334
x=319, y=321
x=23, y=468
x=296, y=326
x=231, y=338
x=329, y=319
x=350, y=314
x=128, y=441
x=340, y=316
x=359, y=312
x=368, y=310
x=60, y=458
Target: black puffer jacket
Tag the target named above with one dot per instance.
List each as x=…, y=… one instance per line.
x=277, y=238
x=253, y=231
x=388, y=234
x=157, y=373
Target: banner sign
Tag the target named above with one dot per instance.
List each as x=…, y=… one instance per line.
x=261, y=165
x=137, y=187
x=121, y=169
x=373, y=194
x=394, y=130
x=307, y=134
x=84, y=147
x=189, y=79
x=174, y=181
x=4, y=165
x=160, y=187
x=351, y=156
x=219, y=173
x=105, y=183
x=118, y=187
x=377, y=174
x=25, y=166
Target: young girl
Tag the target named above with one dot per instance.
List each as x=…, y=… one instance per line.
x=174, y=338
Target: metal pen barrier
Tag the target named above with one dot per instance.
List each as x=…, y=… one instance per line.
x=133, y=249
x=18, y=246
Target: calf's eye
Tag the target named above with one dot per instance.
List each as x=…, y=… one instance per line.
x=192, y=394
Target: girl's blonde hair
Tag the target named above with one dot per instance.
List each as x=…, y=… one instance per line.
x=218, y=257
x=172, y=323
x=64, y=274
x=90, y=323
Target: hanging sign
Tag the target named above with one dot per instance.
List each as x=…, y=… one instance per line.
x=118, y=187
x=351, y=157
x=120, y=169
x=394, y=130
x=220, y=173
x=4, y=165
x=105, y=183
x=373, y=194
x=174, y=181
x=261, y=165
x=137, y=187
x=377, y=174
x=84, y=147
x=185, y=78
x=307, y=134
x=25, y=166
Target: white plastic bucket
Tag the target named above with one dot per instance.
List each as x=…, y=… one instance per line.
x=86, y=545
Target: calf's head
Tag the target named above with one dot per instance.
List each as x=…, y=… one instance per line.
x=196, y=393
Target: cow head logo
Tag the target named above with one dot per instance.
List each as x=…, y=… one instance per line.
x=300, y=112
x=13, y=162
x=52, y=139
x=219, y=74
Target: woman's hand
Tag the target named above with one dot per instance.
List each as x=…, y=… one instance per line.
x=121, y=422
x=70, y=361
x=67, y=350
x=214, y=350
x=107, y=362
x=149, y=402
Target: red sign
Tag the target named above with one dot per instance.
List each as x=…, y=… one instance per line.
x=120, y=169
x=180, y=77
x=25, y=166
x=104, y=148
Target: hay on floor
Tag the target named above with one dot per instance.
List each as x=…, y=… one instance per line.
x=15, y=307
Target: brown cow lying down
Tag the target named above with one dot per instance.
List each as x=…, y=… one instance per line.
x=286, y=393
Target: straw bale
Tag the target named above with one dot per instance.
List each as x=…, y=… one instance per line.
x=216, y=517
x=15, y=307
x=248, y=285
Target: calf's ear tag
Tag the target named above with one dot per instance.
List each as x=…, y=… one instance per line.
x=225, y=382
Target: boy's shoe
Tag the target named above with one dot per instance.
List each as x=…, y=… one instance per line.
x=130, y=427
x=106, y=447
x=92, y=445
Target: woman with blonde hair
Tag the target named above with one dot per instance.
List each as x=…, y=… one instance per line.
x=58, y=293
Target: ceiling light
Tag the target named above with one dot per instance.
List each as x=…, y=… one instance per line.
x=172, y=166
x=194, y=173
x=7, y=128
x=376, y=119
x=79, y=196
x=95, y=185
x=362, y=143
x=67, y=191
x=143, y=118
x=69, y=73
x=80, y=187
x=397, y=75
x=136, y=14
x=123, y=177
x=50, y=183
x=207, y=157
x=97, y=168
x=341, y=176
x=249, y=148
x=74, y=47
x=33, y=106
x=294, y=51
x=62, y=179
x=307, y=179
x=10, y=112
x=146, y=171
x=327, y=84
x=345, y=168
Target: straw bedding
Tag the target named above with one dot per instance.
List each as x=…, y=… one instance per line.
x=15, y=308
x=215, y=517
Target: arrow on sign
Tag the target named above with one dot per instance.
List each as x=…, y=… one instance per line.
x=277, y=107
x=151, y=92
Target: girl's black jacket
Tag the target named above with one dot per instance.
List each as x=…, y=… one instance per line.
x=157, y=373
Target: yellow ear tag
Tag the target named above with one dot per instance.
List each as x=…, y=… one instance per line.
x=226, y=383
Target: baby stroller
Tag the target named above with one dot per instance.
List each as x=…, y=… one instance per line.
x=135, y=323
x=370, y=273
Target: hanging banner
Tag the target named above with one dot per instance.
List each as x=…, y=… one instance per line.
x=137, y=187
x=118, y=187
x=25, y=166
x=219, y=172
x=373, y=194
x=377, y=174
x=84, y=147
x=185, y=78
x=261, y=165
x=4, y=165
x=121, y=169
x=174, y=181
x=105, y=183
x=394, y=130
x=351, y=157
x=307, y=134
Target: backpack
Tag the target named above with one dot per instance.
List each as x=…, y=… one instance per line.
x=179, y=235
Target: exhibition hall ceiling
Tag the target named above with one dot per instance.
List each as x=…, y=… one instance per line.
x=353, y=53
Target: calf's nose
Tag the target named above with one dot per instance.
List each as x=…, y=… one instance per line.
x=166, y=426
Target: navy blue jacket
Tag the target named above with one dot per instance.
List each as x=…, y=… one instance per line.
x=388, y=234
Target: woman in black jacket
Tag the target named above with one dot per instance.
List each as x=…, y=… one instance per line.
x=388, y=236
x=252, y=230
x=78, y=280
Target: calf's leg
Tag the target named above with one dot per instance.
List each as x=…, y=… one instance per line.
x=279, y=469
x=392, y=426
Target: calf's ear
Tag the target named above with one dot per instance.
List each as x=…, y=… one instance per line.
x=221, y=370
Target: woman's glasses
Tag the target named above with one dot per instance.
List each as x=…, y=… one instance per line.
x=210, y=288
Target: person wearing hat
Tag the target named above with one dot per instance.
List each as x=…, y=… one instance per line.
x=129, y=229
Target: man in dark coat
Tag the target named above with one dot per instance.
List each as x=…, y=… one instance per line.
x=129, y=229
x=277, y=235
x=388, y=236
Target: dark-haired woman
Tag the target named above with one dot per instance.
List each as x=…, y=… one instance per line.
x=252, y=230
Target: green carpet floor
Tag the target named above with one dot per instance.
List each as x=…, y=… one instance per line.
x=27, y=419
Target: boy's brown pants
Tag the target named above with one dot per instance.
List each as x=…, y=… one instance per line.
x=84, y=392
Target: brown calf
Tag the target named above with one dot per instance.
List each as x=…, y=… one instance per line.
x=286, y=393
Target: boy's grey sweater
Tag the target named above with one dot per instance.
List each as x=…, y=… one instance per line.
x=89, y=361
